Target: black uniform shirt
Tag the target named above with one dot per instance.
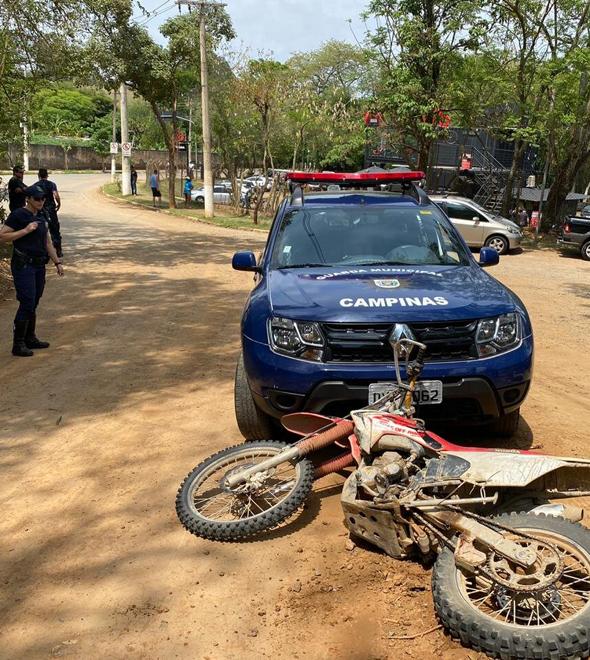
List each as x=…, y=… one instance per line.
x=48, y=188
x=35, y=243
x=16, y=200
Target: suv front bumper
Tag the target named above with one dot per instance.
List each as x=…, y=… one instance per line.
x=473, y=390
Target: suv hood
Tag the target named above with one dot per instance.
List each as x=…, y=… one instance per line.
x=387, y=293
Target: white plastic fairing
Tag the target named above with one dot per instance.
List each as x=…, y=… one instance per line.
x=506, y=469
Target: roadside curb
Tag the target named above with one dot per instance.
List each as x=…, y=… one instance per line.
x=179, y=214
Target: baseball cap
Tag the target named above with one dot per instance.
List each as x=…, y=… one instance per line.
x=35, y=191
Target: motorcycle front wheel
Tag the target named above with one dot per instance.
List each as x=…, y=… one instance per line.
x=545, y=615
x=207, y=508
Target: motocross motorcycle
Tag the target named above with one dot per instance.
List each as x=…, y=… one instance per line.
x=511, y=573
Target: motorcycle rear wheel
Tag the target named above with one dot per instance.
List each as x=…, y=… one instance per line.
x=552, y=623
x=209, y=509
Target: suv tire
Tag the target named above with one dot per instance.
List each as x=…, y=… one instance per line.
x=506, y=425
x=586, y=251
x=499, y=243
x=252, y=422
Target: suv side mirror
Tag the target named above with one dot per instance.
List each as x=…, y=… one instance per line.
x=476, y=218
x=488, y=257
x=245, y=261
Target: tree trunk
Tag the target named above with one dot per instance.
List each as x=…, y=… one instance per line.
x=519, y=149
x=424, y=155
x=170, y=147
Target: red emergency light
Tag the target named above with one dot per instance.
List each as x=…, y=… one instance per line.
x=358, y=178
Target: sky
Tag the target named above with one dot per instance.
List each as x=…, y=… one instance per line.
x=280, y=27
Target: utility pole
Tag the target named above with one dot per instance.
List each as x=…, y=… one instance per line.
x=190, y=133
x=114, y=156
x=208, y=172
x=125, y=160
x=25, y=127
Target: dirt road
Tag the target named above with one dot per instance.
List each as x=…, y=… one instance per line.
x=97, y=432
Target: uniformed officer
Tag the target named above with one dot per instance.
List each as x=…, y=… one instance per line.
x=27, y=230
x=50, y=208
x=16, y=188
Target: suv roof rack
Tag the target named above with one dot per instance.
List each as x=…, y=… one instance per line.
x=407, y=179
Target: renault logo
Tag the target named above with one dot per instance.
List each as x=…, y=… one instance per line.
x=399, y=332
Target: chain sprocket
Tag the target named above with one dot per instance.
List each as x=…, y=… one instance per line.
x=544, y=572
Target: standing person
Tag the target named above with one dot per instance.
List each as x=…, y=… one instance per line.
x=28, y=232
x=50, y=208
x=16, y=188
x=188, y=187
x=523, y=217
x=133, y=180
x=155, y=186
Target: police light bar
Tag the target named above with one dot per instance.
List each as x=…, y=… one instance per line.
x=358, y=178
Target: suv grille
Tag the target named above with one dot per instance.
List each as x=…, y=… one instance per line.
x=362, y=342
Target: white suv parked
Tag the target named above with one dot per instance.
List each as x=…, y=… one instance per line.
x=478, y=226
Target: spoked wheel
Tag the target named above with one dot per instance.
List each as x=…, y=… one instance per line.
x=207, y=507
x=513, y=612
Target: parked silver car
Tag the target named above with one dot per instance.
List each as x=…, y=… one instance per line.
x=479, y=226
x=221, y=194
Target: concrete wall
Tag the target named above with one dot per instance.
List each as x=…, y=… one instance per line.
x=53, y=157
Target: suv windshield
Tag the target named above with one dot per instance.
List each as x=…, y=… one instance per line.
x=360, y=236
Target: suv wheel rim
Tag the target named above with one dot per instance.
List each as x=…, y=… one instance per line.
x=497, y=243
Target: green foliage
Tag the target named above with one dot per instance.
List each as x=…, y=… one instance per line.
x=418, y=45
x=65, y=111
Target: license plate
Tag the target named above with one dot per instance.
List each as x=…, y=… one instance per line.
x=427, y=392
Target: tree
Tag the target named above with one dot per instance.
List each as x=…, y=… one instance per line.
x=75, y=110
x=39, y=43
x=264, y=84
x=159, y=74
x=417, y=43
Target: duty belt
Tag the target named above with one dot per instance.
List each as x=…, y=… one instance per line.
x=29, y=260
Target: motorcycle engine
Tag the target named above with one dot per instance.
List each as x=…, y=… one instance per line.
x=387, y=470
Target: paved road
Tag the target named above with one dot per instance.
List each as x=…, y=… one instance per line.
x=97, y=432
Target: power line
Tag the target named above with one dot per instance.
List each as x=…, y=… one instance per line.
x=146, y=13
x=162, y=10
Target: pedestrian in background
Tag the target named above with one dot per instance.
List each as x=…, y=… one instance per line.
x=523, y=217
x=188, y=188
x=133, y=180
x=50, y=208
x=155, y=186
x=28, y=232
x=16, y=188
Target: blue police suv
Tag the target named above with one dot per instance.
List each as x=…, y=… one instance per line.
x=347, y=267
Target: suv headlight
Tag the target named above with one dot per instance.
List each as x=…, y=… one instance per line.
x=302, y=339
x=497, y=335
x=514, y=230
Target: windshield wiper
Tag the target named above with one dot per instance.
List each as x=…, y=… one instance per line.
x=383, y=263
x=304, y=266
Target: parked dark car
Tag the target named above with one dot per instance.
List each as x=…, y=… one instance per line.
x=575, y=234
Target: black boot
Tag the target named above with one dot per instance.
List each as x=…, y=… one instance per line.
x=31, y=340
x=19, y=347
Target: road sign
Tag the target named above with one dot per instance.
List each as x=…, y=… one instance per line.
x=180, y=136
x=126, y=149
x=181, y=146
x=114, y=147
